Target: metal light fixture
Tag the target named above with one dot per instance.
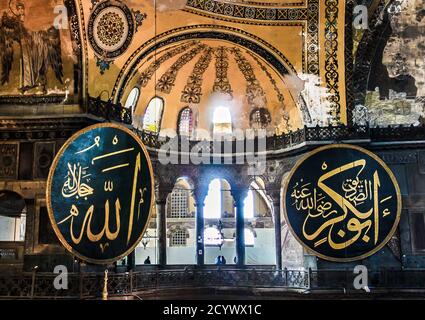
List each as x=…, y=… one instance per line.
x=146, y=239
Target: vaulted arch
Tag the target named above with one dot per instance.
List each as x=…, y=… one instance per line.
x=261, y=70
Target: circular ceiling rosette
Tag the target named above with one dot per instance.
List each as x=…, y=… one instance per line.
x=111, y=29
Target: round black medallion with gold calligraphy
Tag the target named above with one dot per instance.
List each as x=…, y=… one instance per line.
x=99, y=193
x=342, y=202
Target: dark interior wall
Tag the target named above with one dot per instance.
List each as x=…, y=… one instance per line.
x=407, y=250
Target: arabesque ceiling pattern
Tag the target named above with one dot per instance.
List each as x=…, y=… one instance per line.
x=201, y=74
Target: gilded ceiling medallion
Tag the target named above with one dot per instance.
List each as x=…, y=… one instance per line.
x=111, y=29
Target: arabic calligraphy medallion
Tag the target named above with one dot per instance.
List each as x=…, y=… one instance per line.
x=342, y=202
x=99, y=193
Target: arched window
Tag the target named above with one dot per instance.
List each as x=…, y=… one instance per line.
x=179, y=203
x=222, y=121
x=256, y=202
x=185, y=126
x=249, y=238
x=153, y=115
x=213, y=201
x=249, y=205
x=260, y=118
x=132, y=99
x=213, y=237
x=179, y=200
x=12, y=217
x=179, y=238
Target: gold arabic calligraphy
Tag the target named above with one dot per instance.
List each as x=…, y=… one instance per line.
x=335, y=207
x=74, y=187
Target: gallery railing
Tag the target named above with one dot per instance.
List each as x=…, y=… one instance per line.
x=329, y=134
x=90, y=285
x=109, y=111
x=113, y=112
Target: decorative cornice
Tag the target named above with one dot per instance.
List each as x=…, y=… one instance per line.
x=32, y=99
x=214, y=8
x=41, y=129
x=274, y=4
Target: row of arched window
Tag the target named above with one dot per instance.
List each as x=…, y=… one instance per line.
x=222, y=119
x=218, y=202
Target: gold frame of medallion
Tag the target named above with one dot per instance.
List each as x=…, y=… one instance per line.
x=383, y=165
x=49, y=185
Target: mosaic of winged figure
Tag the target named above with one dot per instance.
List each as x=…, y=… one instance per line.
x=39, y=50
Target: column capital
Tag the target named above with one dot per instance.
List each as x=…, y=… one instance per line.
x=239, y=195
x=200, y=192
x=274, y=192
x=161, y=192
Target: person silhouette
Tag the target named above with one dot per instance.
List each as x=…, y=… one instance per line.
x=148, y=260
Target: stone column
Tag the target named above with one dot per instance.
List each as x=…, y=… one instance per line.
x=275, y=197
x=200, y=249
x=200, y=193
x=131, y=261
x=239, y=196
x=161, y=194
x=30, y=226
